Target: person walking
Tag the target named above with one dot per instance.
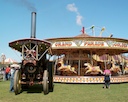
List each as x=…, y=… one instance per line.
x=107, y=77
x=7, y=72
x=12, y=71
x=14, y=67
x=3, y=72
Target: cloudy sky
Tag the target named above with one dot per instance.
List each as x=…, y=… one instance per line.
x=60, y=18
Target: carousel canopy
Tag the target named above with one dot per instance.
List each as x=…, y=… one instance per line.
x=83, y=35
x=89, y=44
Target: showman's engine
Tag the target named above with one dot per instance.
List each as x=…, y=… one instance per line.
x=36, y=67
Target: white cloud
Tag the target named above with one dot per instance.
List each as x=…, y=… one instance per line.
x=79, y=20
x=73, y=8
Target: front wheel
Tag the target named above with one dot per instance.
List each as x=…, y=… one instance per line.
x=17, y=79
x=45, y=82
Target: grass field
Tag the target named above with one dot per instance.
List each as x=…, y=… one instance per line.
x=68, y=93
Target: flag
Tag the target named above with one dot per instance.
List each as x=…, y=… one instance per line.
x=82, y=30
x=103, y=29
x=92, y=27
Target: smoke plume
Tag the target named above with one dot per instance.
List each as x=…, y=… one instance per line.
x=24, y=3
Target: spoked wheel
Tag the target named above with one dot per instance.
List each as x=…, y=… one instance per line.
x=45, y=82
x=17, y=79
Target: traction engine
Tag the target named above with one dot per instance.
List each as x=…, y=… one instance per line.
x=35, y=67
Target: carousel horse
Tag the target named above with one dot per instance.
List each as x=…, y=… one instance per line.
x=65, y=69
x=125, y=70
x=115, y=69
x=94, y=70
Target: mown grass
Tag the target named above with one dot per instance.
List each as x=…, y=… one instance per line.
x=69, y=93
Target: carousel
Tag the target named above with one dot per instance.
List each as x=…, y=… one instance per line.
x=83, y=58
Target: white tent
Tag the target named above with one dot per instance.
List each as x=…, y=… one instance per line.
x=15, y=65
x=10, y=61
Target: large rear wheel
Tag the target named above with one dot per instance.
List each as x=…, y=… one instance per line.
x=45, y=82
x=17, y=79
x=50, y=77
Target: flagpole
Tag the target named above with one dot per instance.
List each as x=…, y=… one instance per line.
x=102, y=30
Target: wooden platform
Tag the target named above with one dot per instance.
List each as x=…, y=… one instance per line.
x=89, y=79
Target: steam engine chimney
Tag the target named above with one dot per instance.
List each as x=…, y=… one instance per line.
x=33, y=25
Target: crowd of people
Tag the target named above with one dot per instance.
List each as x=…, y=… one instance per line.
x=8, y=74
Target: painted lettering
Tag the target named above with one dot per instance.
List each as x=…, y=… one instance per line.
x=93, y=43
x=63, y=44
x=119, y=44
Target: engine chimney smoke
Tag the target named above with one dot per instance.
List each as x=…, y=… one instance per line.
x=33, y=25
